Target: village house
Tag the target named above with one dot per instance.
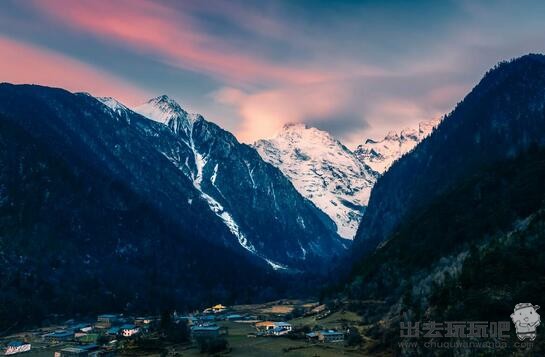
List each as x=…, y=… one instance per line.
x=129, y=330
x=215, y=309
x=72, y=352
x=59, y=336
x=273, y=328
x=264, y=326
x=281, y=328
x=91, y=350
x=143, y=321
x=210, y=331
x=207, y=318
x=15, y=347
x=233, y=317
x=107, y=320
x=325, y=336
x=81, y=330
x=331, y=336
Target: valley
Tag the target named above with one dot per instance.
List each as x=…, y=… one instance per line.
x=239, y=323
x=148, y=230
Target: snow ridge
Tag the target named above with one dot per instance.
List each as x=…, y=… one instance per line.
x=380, y=155
x=324, y=171
x=166, y=111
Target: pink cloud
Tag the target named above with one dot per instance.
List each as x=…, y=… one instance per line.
x=263, y=113
x=24, y=63
x=154, y=29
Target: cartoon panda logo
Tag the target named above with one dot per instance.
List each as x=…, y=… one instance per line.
x=526, y=320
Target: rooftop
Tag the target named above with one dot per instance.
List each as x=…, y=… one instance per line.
x=331, y=333
x=17, y=343
x=282, y=324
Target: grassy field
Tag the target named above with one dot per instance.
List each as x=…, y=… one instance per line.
x=241, y=345
x=334, y=321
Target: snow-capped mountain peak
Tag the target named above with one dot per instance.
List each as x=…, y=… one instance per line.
x=113, y=104
x=166, y=110
x=161, y=109
x=323, y=170
x=380, y=154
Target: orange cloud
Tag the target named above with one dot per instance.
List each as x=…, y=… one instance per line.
x=24, y=63
x=155, y=29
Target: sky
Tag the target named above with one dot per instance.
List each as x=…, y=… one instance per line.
x=356, y=69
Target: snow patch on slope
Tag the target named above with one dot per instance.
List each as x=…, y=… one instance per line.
x=166, y=111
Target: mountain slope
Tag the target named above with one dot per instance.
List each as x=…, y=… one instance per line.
x=454, y=229
x=256, y=202
x=322, y=170
x=500, y=118
x=473, y=253
x=91, y=212
x=380, y=155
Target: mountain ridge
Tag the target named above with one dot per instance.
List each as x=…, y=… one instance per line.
x=381, y=154
x=90, y=212
x=212, y=158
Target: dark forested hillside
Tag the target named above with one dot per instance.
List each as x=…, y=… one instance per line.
x=472, y=254
x=454, y=230
x=499, y=119
x=92, y=219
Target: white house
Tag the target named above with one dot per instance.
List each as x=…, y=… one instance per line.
x=281, y=328
x=17, y=347
x=129, y=330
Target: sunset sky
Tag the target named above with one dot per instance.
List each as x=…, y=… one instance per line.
x=356, y=69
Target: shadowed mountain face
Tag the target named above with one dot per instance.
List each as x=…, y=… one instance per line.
x=499, y=119
x=258, y=204
x=454, y=230
x=95, y=218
